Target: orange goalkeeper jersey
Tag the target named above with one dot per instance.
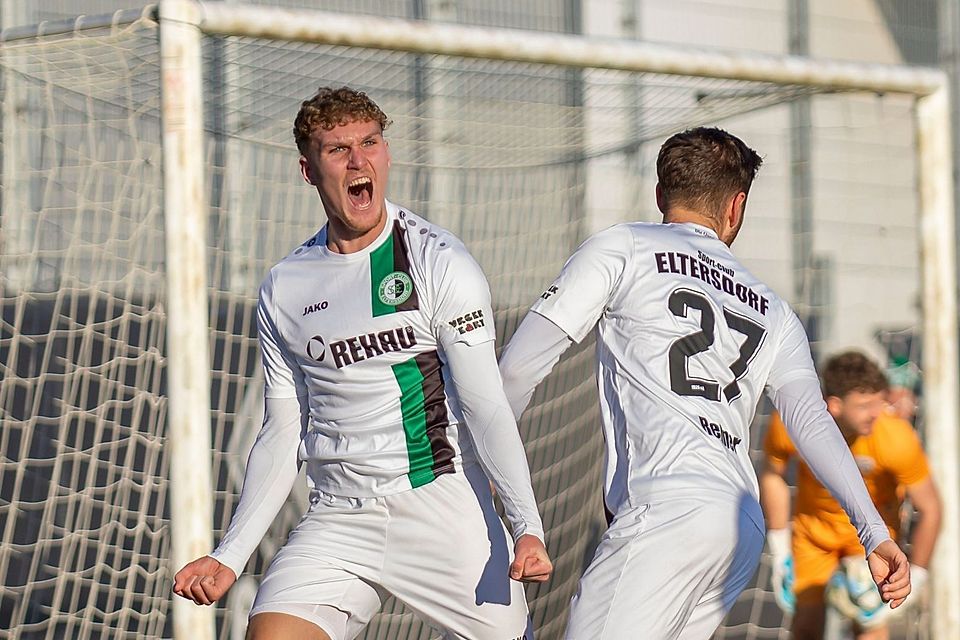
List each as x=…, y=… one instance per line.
x=889, y=457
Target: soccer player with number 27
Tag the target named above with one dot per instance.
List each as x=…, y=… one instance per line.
x=687, y=339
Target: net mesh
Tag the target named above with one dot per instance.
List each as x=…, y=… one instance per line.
x=521, y=161
x=84, y=479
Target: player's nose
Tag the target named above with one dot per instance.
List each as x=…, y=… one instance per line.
x=355, y=160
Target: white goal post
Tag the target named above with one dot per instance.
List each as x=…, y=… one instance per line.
x=939, y=288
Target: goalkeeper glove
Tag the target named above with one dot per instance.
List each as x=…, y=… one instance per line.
x=877, y=616
x=781, y=574
x=918, y=581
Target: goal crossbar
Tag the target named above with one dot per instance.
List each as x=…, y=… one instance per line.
x=395, y=34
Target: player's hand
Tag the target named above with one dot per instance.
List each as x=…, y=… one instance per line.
x=781, y=569
x=204, y=580
x=530, y=560
x=891, y=572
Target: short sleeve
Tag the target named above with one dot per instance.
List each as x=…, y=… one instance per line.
x=903, y=454
x=281, y=374
x=777, y=444
x=463, y=310
x=583, y=290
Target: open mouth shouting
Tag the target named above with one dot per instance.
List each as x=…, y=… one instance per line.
x=360, y=192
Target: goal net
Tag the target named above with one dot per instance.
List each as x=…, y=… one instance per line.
x=521, y=159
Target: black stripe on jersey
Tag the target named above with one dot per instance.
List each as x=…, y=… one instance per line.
x=401, y=262
x=434, y=405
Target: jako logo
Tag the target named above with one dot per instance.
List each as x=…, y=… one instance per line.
x=316, y=348
x=316, y=306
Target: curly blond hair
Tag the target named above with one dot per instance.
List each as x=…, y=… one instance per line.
x=331, y=107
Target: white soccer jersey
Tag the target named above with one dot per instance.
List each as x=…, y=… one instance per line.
x=686, y=342
x=362, y=334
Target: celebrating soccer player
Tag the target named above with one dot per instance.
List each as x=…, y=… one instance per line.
x=890, y=458
x=377, y=339
x=687, y=339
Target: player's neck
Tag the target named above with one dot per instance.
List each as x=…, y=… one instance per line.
x=681, y=215
x=343, y=239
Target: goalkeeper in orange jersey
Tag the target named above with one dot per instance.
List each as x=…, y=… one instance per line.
x=892, y=462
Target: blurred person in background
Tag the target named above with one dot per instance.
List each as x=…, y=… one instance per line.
x=808, y=548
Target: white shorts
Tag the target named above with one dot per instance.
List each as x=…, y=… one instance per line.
x=441, y=549
x=669, y=570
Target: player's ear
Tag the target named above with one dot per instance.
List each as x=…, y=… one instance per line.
x=735, y=208
x=661, y=200
x=834, y=406
x=305, y=171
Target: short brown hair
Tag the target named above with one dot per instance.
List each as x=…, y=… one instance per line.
x=852, y=371
x=333, y=107
x=699, y=168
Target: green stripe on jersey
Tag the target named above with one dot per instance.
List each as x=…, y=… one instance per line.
x=419, y=451
x=381, y=265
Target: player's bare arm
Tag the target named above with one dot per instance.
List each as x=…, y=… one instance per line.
x=775, y=494
x=925, y=499
x=775, y=502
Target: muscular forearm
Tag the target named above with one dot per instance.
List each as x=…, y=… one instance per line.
x=923, y=539
x=775, y=499
x=271, y=470
x=493, y=431
x=925, y=499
